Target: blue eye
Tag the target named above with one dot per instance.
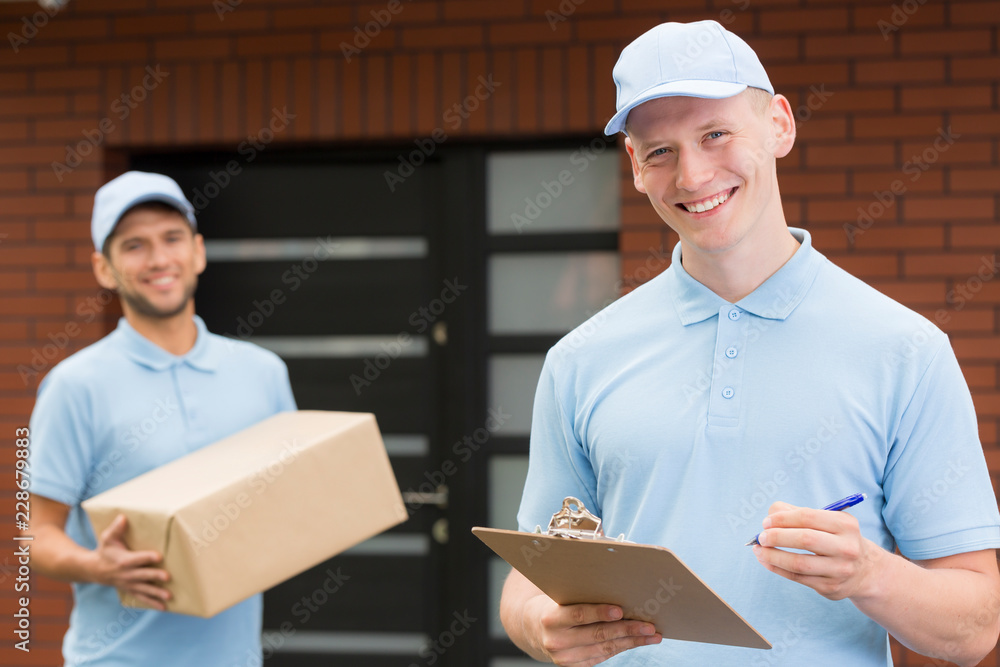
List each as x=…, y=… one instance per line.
x=715, y=135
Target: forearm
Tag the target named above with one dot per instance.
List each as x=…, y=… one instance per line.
x=941, y=612
x=57, y=556
x=517, y=593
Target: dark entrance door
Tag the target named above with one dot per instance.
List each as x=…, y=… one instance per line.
x=364, y=291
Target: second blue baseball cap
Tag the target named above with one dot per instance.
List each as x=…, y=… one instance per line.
x=700, y=59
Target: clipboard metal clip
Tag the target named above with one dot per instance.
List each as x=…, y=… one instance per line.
x=574, y=521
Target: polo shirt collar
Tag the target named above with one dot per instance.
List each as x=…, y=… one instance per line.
x=774, y=299
x=146, y=353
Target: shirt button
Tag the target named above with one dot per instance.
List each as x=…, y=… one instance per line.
x=734, y=314
x=728, y=392
x=731, y=352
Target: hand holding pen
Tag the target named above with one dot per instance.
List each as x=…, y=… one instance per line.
x=842, y=504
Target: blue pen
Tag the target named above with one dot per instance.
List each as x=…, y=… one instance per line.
x=842, y=504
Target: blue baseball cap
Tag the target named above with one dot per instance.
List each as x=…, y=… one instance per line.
x=117, y=196
x=700, y=59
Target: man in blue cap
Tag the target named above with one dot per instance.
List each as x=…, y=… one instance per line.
x=754, y=374
x=156, y=388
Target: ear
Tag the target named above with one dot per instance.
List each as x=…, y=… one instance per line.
x=200, y=261
x=636, y=175
x=782, y=125
x=103, y=271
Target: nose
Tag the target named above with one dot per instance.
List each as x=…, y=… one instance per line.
x=158, y=254
x=693, y=170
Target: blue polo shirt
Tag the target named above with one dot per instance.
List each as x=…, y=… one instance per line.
x=124, y=406
x=679, y=417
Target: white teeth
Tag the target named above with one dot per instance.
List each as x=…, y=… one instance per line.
x=162, y=281
x=707, y=205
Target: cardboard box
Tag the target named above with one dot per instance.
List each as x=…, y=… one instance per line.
x=250, y=511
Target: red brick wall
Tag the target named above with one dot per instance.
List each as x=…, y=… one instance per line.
x=872, y=84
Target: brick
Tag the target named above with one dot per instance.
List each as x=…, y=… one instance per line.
x=853, y=100
x=869, y=265
x=312, y=17
x=206, y=108
x=13, y=182
x=966, y=321
x=112, y=52
x=804, y=20
x=184, y=109
x=327, y=106
x=799, y=74
x=84, y=103
x=812, y=183
x=32, y=305
x=350, y=102
x=578, y=89
x=897, y=126
x=30, y=205
x=36, y=55
x=949, y=41
x=376, y=101
x=899, y=71
x=75, y=29
x=502, y=102
x=13, y=231
x=949, y=208
x=288, y=44
x=253, y=105
x=31, y=155
x=63, y=230
x=963, y=150
x=847, y=46
x=961, y=265
x=156, y=25
x=475, y=67
x=64, y=280
x=846, y=155
x=186, y=49
x=974, y=13
x=775, y=49
x=411, y=13
x=13, y=331
x=486, y=10
x=231, y=119
x=244, y=20
x=973, y=180
x=13, y=81
x=885, y=18
x=846, y=210
x=974, y=236
x=815, y=127
x=400, y=88
x=13, y=281
x=603, y=96
x=86, y=177
x=67, y=79
x=975, y=68
x=975, y=124
x=885, y=236
x=871, y=181
x=526, y=73
x=525, y=33
x=912, y=292
x=32, y=105
x=434, y=37
x=553, y=90
x=947, y=97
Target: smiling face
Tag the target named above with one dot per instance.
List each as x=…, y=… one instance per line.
x=708, y=167
x=154, y=259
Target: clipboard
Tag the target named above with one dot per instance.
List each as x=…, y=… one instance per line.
x=573, y=562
